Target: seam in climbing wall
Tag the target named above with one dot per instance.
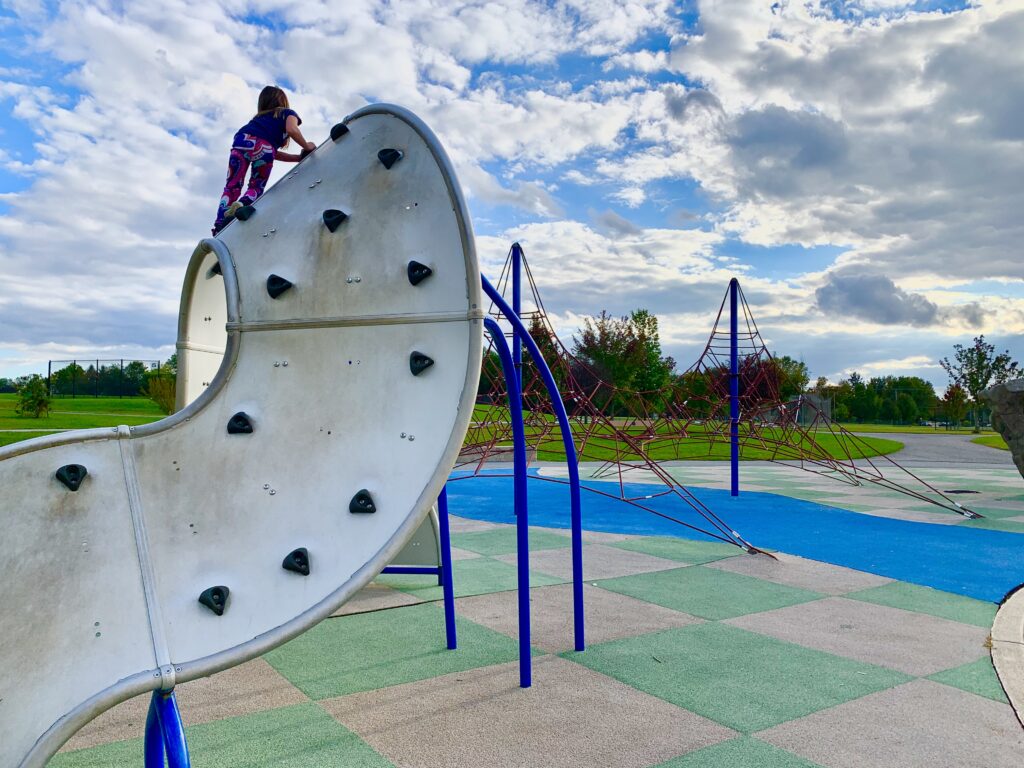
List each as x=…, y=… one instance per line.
x=156, y=623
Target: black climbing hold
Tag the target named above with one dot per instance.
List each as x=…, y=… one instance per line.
x=245, y=213
x=334, y=218
x=239, y=424
x=362, y=503
x=216, y=599
x=418, y=272
x=276, y=285
x=297, y=561
x=72, y=475
x=339, y=130
x=389, y=157
x=418, y=363
x=214, y=270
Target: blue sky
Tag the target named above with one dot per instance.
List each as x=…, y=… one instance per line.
x=836, y=155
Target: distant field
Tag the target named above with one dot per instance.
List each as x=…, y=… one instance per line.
x=992, y=441
x=699, y=445
x=79, y=413
x=911, y=429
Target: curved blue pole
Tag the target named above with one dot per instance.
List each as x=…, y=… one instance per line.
x=517, y=308
x=515, y=407
x=734, y=389
x=570, y=455
x=153, y=748
x=447, y=586
x=164, y=731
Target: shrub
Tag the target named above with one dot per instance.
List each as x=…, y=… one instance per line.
x=160, y=389
x=33, y=399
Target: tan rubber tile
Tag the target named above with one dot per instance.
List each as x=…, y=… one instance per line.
x=374, y=597
x=798, y=572
x=599, y=562
x=571, y=718
x=920, y=724
x=251, y=687
x=913, y=643
x=608, y=616
x=465, y=525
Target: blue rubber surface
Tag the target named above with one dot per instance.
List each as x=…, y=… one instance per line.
x=978, y=563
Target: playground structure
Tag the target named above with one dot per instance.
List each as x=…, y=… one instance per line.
x=729, y=400
x=139, y=558
x=377, y=301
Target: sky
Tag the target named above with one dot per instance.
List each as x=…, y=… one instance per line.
x=857, y=164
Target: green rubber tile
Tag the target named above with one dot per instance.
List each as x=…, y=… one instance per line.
x=301, y=736
x=737, y=678
x=366, y=651
x=994, y=513
x=993, y=524
x=708, y=593
x=683, y=550
x=479, y=576
x=744, y=752
x=977, y=677
x=911, y=597
x=502, y=541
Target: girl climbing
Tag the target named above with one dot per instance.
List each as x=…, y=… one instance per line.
x=256, y=145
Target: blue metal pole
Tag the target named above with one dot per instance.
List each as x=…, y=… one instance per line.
x=734, y=387
x=164, y=731
x=447, y=586
x=515, y=407
x=517, y=308
x=570, y=455
x=153, y=748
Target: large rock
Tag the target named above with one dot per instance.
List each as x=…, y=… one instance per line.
x=1007, y=403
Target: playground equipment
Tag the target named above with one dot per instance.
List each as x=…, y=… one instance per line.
x=729, y=400
x=329, y=348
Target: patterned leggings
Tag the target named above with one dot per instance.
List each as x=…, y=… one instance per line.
x=252, y=152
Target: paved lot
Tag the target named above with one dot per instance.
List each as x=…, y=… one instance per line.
x=698, y=656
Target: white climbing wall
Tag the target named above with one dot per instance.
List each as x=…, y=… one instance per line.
x=102, y=585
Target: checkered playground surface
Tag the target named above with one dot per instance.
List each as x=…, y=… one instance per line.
x=698, y=655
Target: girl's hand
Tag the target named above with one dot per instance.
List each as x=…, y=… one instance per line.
x=310, y=146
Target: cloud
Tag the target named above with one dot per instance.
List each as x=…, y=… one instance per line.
x=615, y=224
x=874, y=298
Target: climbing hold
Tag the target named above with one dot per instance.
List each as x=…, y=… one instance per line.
x=72, y=475
x=239, y=424
x=297, y=561
x=276, y=285
x=389, y=157
x=418, y=272
x=339, y=130
x=418, y=363
x=245, y=213
x=216, y=599
x=334, y=218
x=362, y=503
x=214, y=270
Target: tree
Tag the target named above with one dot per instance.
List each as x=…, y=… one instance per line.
x=976, y=367
x=954, y=403
x=32, y=398
x=793, y=377
x=624, y=352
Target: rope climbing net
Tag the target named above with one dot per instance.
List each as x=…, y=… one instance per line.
x=624, y=436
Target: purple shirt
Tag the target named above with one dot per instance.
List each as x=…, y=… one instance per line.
x=268, y=127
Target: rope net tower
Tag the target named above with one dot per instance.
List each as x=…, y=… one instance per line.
x=625, y=436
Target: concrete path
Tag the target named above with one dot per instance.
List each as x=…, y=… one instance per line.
x=938, y=450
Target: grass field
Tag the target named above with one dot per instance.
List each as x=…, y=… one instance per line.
x=88, y=412
x=911, y=429
x=699, y=445
x=992, y=441
x=80, y=413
